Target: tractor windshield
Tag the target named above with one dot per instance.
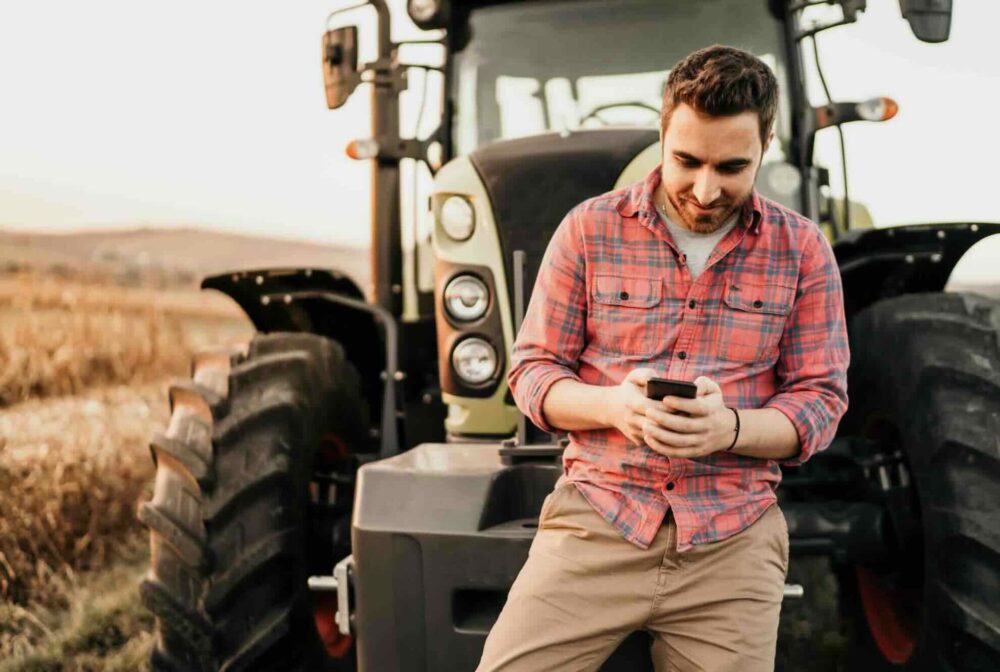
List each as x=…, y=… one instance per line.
x=535, y=67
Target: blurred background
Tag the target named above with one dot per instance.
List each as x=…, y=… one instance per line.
x=143, y=146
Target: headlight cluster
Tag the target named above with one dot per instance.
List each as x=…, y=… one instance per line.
x=466, y=298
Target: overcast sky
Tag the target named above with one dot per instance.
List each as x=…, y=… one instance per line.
x=211, y=114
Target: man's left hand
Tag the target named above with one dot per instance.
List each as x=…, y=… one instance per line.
x=691, y=427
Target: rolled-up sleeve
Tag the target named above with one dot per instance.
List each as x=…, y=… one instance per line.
x=552, y=335
x=814, y=354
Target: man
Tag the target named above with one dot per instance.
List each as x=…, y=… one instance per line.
x=665, y=518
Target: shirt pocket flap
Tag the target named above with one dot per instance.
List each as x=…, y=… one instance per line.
x=618, y=290
x=753, y=297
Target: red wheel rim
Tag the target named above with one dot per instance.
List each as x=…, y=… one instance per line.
x=337, y=644
x=893, y=616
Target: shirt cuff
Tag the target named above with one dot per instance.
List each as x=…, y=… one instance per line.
x=811, y=438
x=531, y=390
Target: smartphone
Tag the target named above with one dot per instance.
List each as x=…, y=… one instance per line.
x=657, y=388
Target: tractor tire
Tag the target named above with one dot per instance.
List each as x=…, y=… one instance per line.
x=229, y=518
x=925, y=381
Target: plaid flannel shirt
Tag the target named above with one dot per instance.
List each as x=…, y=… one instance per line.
x=765, y=320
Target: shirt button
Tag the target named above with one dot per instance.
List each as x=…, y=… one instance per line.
x=758, y=304
x=692, y=303
x=670, y=485
x=682, y=355
x=623, y=296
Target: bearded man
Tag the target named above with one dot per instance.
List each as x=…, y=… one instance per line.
x=665, y=518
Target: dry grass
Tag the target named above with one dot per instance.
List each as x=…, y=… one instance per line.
x=105, y=628
x=74, y=470
x=83, y=374
x=60, y=338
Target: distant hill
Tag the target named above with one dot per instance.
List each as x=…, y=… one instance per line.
x=186, y=253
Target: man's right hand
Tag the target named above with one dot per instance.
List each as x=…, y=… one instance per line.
x=629, y=403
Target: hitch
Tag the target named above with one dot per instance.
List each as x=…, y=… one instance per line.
x=339, y=583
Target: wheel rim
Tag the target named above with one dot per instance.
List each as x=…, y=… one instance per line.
x=892, y=602
x=331, y=451
x=892, y=614
x=337, y=644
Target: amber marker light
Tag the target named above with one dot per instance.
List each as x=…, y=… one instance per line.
x=360, y=150
x=878, y=109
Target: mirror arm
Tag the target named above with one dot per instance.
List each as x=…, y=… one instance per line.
x=383, y=72
x=344, y=10
x=819, y=29
x=408, y=148
x=850, y=9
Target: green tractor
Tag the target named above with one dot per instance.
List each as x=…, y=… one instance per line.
x=355, y=488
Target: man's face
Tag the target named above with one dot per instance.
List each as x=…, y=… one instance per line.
x=709, y=166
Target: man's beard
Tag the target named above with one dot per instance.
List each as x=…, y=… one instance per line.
x=699, y=221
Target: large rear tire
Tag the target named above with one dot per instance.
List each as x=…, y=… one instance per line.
x=925, y=381
x=229, y=519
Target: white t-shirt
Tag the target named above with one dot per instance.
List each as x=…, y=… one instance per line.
x=697, y=247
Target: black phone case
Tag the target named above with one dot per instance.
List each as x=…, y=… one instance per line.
x=657, y=388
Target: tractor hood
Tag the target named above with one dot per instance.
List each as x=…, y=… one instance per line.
x=533, y=182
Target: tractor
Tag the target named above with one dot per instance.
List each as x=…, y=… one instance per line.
x=355, y=488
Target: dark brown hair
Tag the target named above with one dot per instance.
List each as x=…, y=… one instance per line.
x=722, y=81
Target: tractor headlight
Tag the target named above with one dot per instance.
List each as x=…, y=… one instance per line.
x=423, y=10
x=457, y=218
x=429, y=14
x=474, y=360
x=466, y=298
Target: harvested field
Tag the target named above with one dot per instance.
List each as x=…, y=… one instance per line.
x=75, y=469
x=105, y=628
x=58, y=337
x=84, y=366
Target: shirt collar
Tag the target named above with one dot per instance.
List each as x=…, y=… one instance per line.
x=638, y=200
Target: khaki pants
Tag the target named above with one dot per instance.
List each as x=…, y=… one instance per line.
x=585, y=588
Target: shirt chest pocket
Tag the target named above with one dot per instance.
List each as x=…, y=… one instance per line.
x=752, y=320
x=626, y=315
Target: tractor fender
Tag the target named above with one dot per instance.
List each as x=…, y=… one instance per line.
x=247, y=288
x=328, y=303
x=878, y=264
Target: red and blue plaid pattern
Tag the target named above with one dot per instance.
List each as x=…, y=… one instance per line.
x=765, y=320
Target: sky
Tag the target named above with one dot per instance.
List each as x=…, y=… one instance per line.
x=117, y=113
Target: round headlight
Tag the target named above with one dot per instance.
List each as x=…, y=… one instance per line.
x=423, y=10
x=466, y=298
x=475, y=360
x=457, y=218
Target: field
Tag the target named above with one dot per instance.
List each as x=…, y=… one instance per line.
x=84, y=364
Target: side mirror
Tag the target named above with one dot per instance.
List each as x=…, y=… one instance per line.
x=930, y=20
x=340, y=65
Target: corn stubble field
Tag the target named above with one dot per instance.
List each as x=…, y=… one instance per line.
x=84, y=367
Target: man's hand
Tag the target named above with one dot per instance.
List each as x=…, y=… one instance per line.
x=697, y=427
x=629, y=405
